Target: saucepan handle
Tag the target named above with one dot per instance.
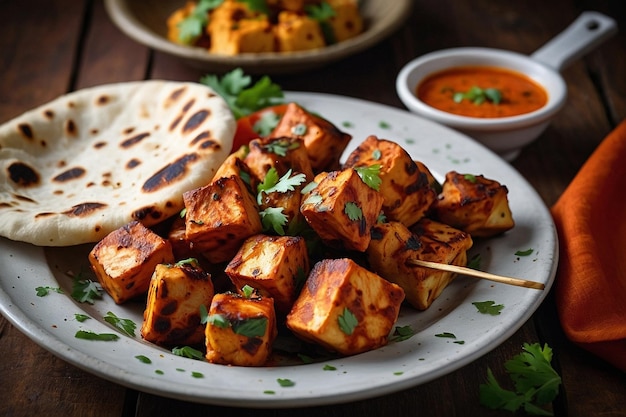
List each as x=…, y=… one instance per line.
x=580, y=37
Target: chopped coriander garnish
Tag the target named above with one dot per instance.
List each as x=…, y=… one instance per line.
x=273, y=218
x=478, y=95
x=370, y=175
x=242, y=97
x=43, y=291
x=535, y=382
x=188, y=352
x=447, y=335
x=218, y=320
x=402, y=333
x=197, y=374
x=247, y=291
x=284, y=382
x=126, y=326
x=526, y=252
x=272, y=184
x=89, y=335
x=204, y=314
x=81, y=317
x=143, y=359
x=347, y=321
x=488, y=307
x=353, y=211
x=474, y=262
x=329, y=368
x=85, y=290
x=191, y=27
x=253, y=327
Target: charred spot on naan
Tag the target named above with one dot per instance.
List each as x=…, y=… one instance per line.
x=170, y=173
x=26, y=131
x=85, y=209
x=23, y=174
x=70, y=174
x=134, y=140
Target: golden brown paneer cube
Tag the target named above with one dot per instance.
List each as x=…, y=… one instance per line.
x=280, y=153
x=474, y=204
x=234, y=165
x=273, y=265
x=345, y=308
x=234, y=28
x=172, y=314
x=406, y=189
x=181, y=246
x=342, y=209
x=323, y=141
x=297, y=32
x=393, y=246
x=124, y=260
x=219, y=217
x=240, y=329
x=347, y=21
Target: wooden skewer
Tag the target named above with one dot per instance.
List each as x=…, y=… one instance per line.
x=479, y=274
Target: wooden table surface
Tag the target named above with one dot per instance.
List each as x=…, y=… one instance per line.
x=48, y=48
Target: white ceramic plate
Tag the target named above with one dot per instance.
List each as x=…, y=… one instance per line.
x=144, y=21
x=50, y=320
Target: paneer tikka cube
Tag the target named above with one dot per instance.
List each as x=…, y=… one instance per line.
x=176, y=294
x=273, y=265
x=345, y=307
x=124, y=260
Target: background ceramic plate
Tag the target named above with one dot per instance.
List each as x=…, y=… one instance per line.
x=50, y=320
x=144, y=21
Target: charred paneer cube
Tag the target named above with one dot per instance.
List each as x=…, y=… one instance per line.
x=346, y=21
x=297, y=32
x=345, y=307
x=219, y=217
x=281, y=153
x=274, y=265
x=177, y=292
x=323, y=141
x=393, y=246
x=342, y=208
x=234, y=165
x=474, y=204
x=240, y=329
x=405, y=187
x=124, y=260
x=235, y=28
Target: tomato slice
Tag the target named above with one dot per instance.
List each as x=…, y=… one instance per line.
x=245, y=125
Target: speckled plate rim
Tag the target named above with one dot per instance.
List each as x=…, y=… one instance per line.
x=50, y=320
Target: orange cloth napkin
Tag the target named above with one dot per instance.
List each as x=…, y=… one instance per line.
x=590, y=286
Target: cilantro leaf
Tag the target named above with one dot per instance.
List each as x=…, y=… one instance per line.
x=284, y=382
x=126, y=326
x=85, y=290
x=488, y=307
x=347, y=321
x=188, y=352
x=536, y=382
x=353, y=211
x=253, y=327
x=526, y=252
x=402, y=333
x=273, y=218
x=271, y=183
x=218, y=320
x=192, y=26
x=370, y=175
x=89, y=335
x=43, y=291
x=242, y=96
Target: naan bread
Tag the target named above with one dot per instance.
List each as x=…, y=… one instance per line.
x=89, y=162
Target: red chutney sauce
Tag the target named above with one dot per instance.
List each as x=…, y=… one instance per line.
x=518, y=93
